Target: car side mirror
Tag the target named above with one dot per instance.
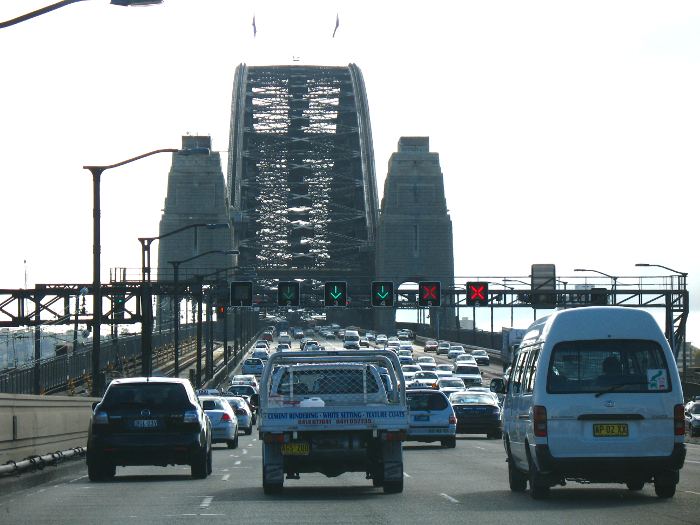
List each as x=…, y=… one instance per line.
x=497, y=386
x=94, y=404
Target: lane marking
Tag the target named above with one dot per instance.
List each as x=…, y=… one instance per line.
x=691, y=461
x=250, y=444
x=224, y=470
x=255, y=439
x=226, y=476
x=237, y=462
x=692, y=492
x=406, y=475
x=206, y=501
x=211, y=514
x=449, y=498
x=480, y=448
x=76, y=479
x=245, y=451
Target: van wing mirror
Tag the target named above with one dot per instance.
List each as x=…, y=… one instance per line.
x=497, y=386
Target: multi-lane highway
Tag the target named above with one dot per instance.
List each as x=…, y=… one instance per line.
x=465, y=484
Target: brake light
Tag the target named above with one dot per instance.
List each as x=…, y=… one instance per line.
x=101, y=418
x=453, y=420
x=394, y=435
x=539, y=420
x=679, y=420
x=190, y=416
x=225, y=417
x=274, y=438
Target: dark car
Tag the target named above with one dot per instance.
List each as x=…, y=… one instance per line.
x=431, y=346
x=481, y=357
x=477, y=413
x=248, y=392
x=148, y=421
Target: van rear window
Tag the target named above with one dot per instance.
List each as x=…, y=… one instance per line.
x=601, y=366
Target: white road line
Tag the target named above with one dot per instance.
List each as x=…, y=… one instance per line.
x=250, y=444
x=691, y=492
x=206, y=501
x=211, y=514
x=406, y=475
x=255, y=439
x=226, y=476
x=76, y=479
x=449, y=498
x=224, y=470
x=480, y=448
x=245, y=451
x=237, y=462
x=691, y=461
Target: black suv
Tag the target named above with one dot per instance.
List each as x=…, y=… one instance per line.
x=148, y=421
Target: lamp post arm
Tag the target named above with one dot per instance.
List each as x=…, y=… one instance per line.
x=38, y=12
x=103, y=168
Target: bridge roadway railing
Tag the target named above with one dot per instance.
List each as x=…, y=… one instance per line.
x=57, y=373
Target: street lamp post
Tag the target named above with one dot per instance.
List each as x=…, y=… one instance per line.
x=96, y=172
x=614, y=281
x=64, y=3
x=534, y=310
x=176, y=308
x=682, y=276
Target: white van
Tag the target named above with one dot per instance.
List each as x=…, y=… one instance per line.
x=594, y=396
x=351, y=340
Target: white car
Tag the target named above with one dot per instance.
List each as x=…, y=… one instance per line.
x=380, y=339
x=465, y=359
x=450, y=385
x=409, y=371
x=246, y=378
x=426, y=359
x=425, y=379
x=404, y=352
x=442, y=374
x=406, y=346
x=224, y=423
x=470, y=374
x=455, y=350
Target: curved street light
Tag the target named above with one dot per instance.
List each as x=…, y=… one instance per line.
x=176, y=310
x=96, y=286
x=64, y=3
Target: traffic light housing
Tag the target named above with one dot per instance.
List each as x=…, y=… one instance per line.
x=382, y=293
x=335, y=293
x=119, y=299
x=477, y=293
x=599, y=296
x=429, y=293
x=241, y=293
x=288, y=293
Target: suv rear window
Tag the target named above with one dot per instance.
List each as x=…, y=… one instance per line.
x=426, y=401
x=153, y=395
x=594, y=366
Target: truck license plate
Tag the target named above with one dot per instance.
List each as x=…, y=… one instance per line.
x=295, y=449
x=611, y=430
x=146, y=423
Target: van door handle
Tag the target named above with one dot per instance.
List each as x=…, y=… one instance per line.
x=523, y=416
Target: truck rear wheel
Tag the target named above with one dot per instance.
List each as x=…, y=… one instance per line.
x=394, y=486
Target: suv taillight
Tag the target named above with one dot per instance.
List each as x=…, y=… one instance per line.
x=225, y=417
x=101, y=418
x=190, y=416
x=539, y=420
x=679, y=420
x=453, y=420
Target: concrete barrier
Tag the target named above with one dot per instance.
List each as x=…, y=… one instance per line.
x=38, y=425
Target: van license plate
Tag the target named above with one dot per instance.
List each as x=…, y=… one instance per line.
x=610, y=430
x=146, y=423
x=295, y=449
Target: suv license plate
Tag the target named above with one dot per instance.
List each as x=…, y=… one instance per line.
x=611, y=430
x=146, y=423
x=295, y=449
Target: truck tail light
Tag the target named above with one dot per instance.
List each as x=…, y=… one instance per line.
x=539, y=420
x=394, y=435
x=679, y=420
x=273, y=438
x=453, y=420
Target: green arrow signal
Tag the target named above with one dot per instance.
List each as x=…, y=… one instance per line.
x=289, y=294
x=382, y=294
x=335, y=294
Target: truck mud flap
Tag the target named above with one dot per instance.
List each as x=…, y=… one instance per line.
x=273, y=464
x=392, y=456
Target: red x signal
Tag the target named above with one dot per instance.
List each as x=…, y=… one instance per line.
x=476, y=292
x=429, y=292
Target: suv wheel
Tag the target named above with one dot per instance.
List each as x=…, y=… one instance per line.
x=665, y=485
x=100, y=470
x=393, y=486
x=199, y=465
x=450, y=442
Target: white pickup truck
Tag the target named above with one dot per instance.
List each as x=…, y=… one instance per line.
x=333, y=412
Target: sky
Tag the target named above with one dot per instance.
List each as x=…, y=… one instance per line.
x=567, y=130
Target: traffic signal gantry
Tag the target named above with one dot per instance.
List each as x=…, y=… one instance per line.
x=477, y=293
x=288, y=293
x=429, y=293
x=382, y=293
x=335, y=293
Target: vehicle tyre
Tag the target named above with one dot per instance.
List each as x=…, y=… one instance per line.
x=272, y=488
x=394, y=486
x=516, y=479
x=449, y=442
x=496, y=434
x=378, y=476
x=209, y=462
x=198, y=467
x=664, y=489
x=235, y=440
x=538, y=487
x=248, y=431
x=231, y=443
x=635, y=484
x=100, y=470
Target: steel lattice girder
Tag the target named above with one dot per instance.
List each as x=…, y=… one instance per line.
x=301, y=172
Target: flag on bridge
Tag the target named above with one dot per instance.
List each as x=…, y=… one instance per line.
x=337, y=23
x=255, y=29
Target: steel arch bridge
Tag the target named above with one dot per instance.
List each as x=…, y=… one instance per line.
x=302, y=186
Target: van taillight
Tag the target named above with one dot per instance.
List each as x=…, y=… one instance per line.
x=679, y=420
x=539, y=420
x=225, y=417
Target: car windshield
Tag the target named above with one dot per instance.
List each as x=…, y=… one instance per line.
x=471, y=399
x=447, y=368
x=426, y=375
x=411, y=368
x=151, y=395
x=451, y=383
x=253, y=361
x=600, y=366
x=473, y=370
x=479, y=352
x=241, y=390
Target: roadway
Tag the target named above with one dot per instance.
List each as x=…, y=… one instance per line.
x=465, y=484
